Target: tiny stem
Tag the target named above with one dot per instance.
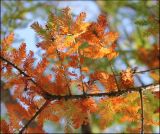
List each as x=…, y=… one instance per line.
x=142, y=113
x=114, y=76
x=62, y=67
x=80, y=68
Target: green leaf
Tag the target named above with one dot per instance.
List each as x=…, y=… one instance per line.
x=84, y=45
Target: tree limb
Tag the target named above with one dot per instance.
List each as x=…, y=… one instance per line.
x=43, y=92
x=35, y=115
x=49, y=96
x=109, y=94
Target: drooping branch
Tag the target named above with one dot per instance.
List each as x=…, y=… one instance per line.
x=35, y=115
x=43, y=92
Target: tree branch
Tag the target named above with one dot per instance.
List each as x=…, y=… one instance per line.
x=35, y=115
x=43, y=92
x=143, y=71
x=10, y=63
x=48, y=96
x=109, y=94
x=148, y=70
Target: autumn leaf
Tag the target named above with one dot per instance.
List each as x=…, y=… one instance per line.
x=127, y=80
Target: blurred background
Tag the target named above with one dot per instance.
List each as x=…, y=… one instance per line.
x=136, y=21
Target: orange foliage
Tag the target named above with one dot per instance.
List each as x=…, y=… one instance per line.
x=4, y=127
x=151, y=59
x=63, y=40
x=150, y=56
x=127, y=80
x=106, y=79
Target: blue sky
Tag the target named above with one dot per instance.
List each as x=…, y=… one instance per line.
x=29, y=36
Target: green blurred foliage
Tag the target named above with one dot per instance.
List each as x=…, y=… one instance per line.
x=17, y=14
x=141, y=27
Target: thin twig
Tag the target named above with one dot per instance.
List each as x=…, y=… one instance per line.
x=35, y=115
x=62, y=67
x=114, y=75
x=148, y=70
x=80, y=69
x=140, y=92
x=143, y=71
x=142, y=113
x=138, y=77
x=10, y=63
x=43, y=92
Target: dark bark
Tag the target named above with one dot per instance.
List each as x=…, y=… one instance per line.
x=86, y=129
